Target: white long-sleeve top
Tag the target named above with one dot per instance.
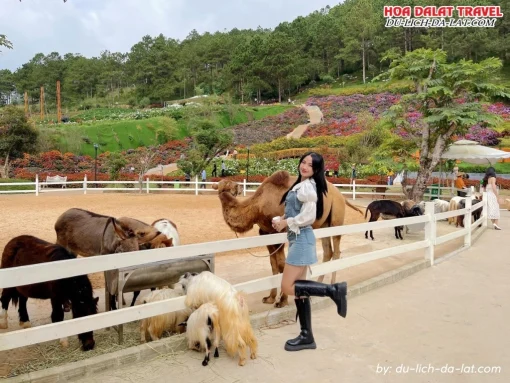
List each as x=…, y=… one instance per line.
x=308, y=196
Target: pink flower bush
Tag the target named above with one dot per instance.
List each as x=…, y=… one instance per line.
x=483, y=136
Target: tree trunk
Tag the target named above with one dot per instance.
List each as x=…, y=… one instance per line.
x=363, y=54
x=279, y=90
x=4, y=173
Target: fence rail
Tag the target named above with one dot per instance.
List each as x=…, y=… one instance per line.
x=196, y=186
x=18, y=276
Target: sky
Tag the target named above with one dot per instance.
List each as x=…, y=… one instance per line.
x=91, y=26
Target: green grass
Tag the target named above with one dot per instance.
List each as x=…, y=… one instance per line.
x=114, y=136
x=251, y=113
x=13, y=180
x=100, y=113
x=501, y=167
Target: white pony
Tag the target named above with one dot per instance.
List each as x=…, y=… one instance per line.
x=168, y=228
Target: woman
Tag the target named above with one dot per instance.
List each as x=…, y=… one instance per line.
x=304, y=203
x=459, y=184
x=489, y=184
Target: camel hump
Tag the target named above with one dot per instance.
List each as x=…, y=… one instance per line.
x=280, y=178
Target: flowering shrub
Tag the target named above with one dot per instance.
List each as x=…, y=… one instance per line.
x=342, y=114
x=483, y=136
x=269, y=128
x=500, y=109
x=69, y=163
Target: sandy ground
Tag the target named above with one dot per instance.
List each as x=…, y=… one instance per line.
x=199, y=219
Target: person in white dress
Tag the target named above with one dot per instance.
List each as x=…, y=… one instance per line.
x=489, y=185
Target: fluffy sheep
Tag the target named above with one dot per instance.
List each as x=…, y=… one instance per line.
x=154, y=326
x=203, y=330
x=234, y=319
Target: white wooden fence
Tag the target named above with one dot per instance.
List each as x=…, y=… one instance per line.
x=195, y=186
x=19, y=276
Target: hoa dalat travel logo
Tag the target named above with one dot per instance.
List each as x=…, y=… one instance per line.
x=460, y=16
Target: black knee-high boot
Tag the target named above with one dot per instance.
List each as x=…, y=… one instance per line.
x=305, y=339
x=337, y=292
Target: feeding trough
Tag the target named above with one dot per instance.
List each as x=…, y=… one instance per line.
x=151, y=275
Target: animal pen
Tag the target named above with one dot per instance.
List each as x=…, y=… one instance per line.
x=19, y=276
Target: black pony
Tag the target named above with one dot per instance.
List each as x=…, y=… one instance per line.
x=28, y=250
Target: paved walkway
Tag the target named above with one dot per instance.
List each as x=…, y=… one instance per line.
x=315, y=118
x=436, y=321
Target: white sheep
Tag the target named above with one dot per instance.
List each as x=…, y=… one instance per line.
x=154, y=326
x=235, y=326
x=203, y=330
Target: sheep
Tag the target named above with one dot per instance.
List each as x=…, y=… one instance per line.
x=203, y=330
x=154, y=326
x=440, y=206
x=234, y=321
x=412, y=210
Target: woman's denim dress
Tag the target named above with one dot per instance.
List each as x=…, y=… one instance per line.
x=302, y=251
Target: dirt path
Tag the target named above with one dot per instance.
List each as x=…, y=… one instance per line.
x=315, y=118
x=166, y=169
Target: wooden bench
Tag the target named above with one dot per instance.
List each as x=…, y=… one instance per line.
x=380, y=189
x=55, y=180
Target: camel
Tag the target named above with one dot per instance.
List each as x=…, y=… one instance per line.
x=265, y=204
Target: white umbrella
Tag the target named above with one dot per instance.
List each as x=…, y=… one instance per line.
x=473, y=152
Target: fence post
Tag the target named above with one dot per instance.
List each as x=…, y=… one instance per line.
x=485, y=216
x=85, y=184
x=467, y=219
x=36, y=185
x=244, y=187
x=353, y=189
x=196, y=185
x=147, y=185
x=430, y=232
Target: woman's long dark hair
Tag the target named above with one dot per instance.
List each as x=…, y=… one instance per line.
x=491, y=172
x=318, y=177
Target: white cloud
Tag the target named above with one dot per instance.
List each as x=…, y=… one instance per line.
x=90, y=26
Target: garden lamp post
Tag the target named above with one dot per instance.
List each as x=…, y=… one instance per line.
x=248, y=164
x=95, y=162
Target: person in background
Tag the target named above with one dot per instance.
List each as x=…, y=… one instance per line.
x=459, y=184
x=204, y=179
x=223, y=168
x=489, y=185
x=214, y=172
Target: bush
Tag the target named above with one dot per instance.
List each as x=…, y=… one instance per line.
x=327, y=79
x=144, y=102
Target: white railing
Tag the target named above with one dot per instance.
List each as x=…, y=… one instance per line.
x=19, y=276
x=196, y=186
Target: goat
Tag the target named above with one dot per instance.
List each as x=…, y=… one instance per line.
x=203, y=330
x=154, y=326
x=387, y=209
x=234, y=321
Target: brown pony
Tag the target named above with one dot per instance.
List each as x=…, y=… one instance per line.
x=28, y=250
